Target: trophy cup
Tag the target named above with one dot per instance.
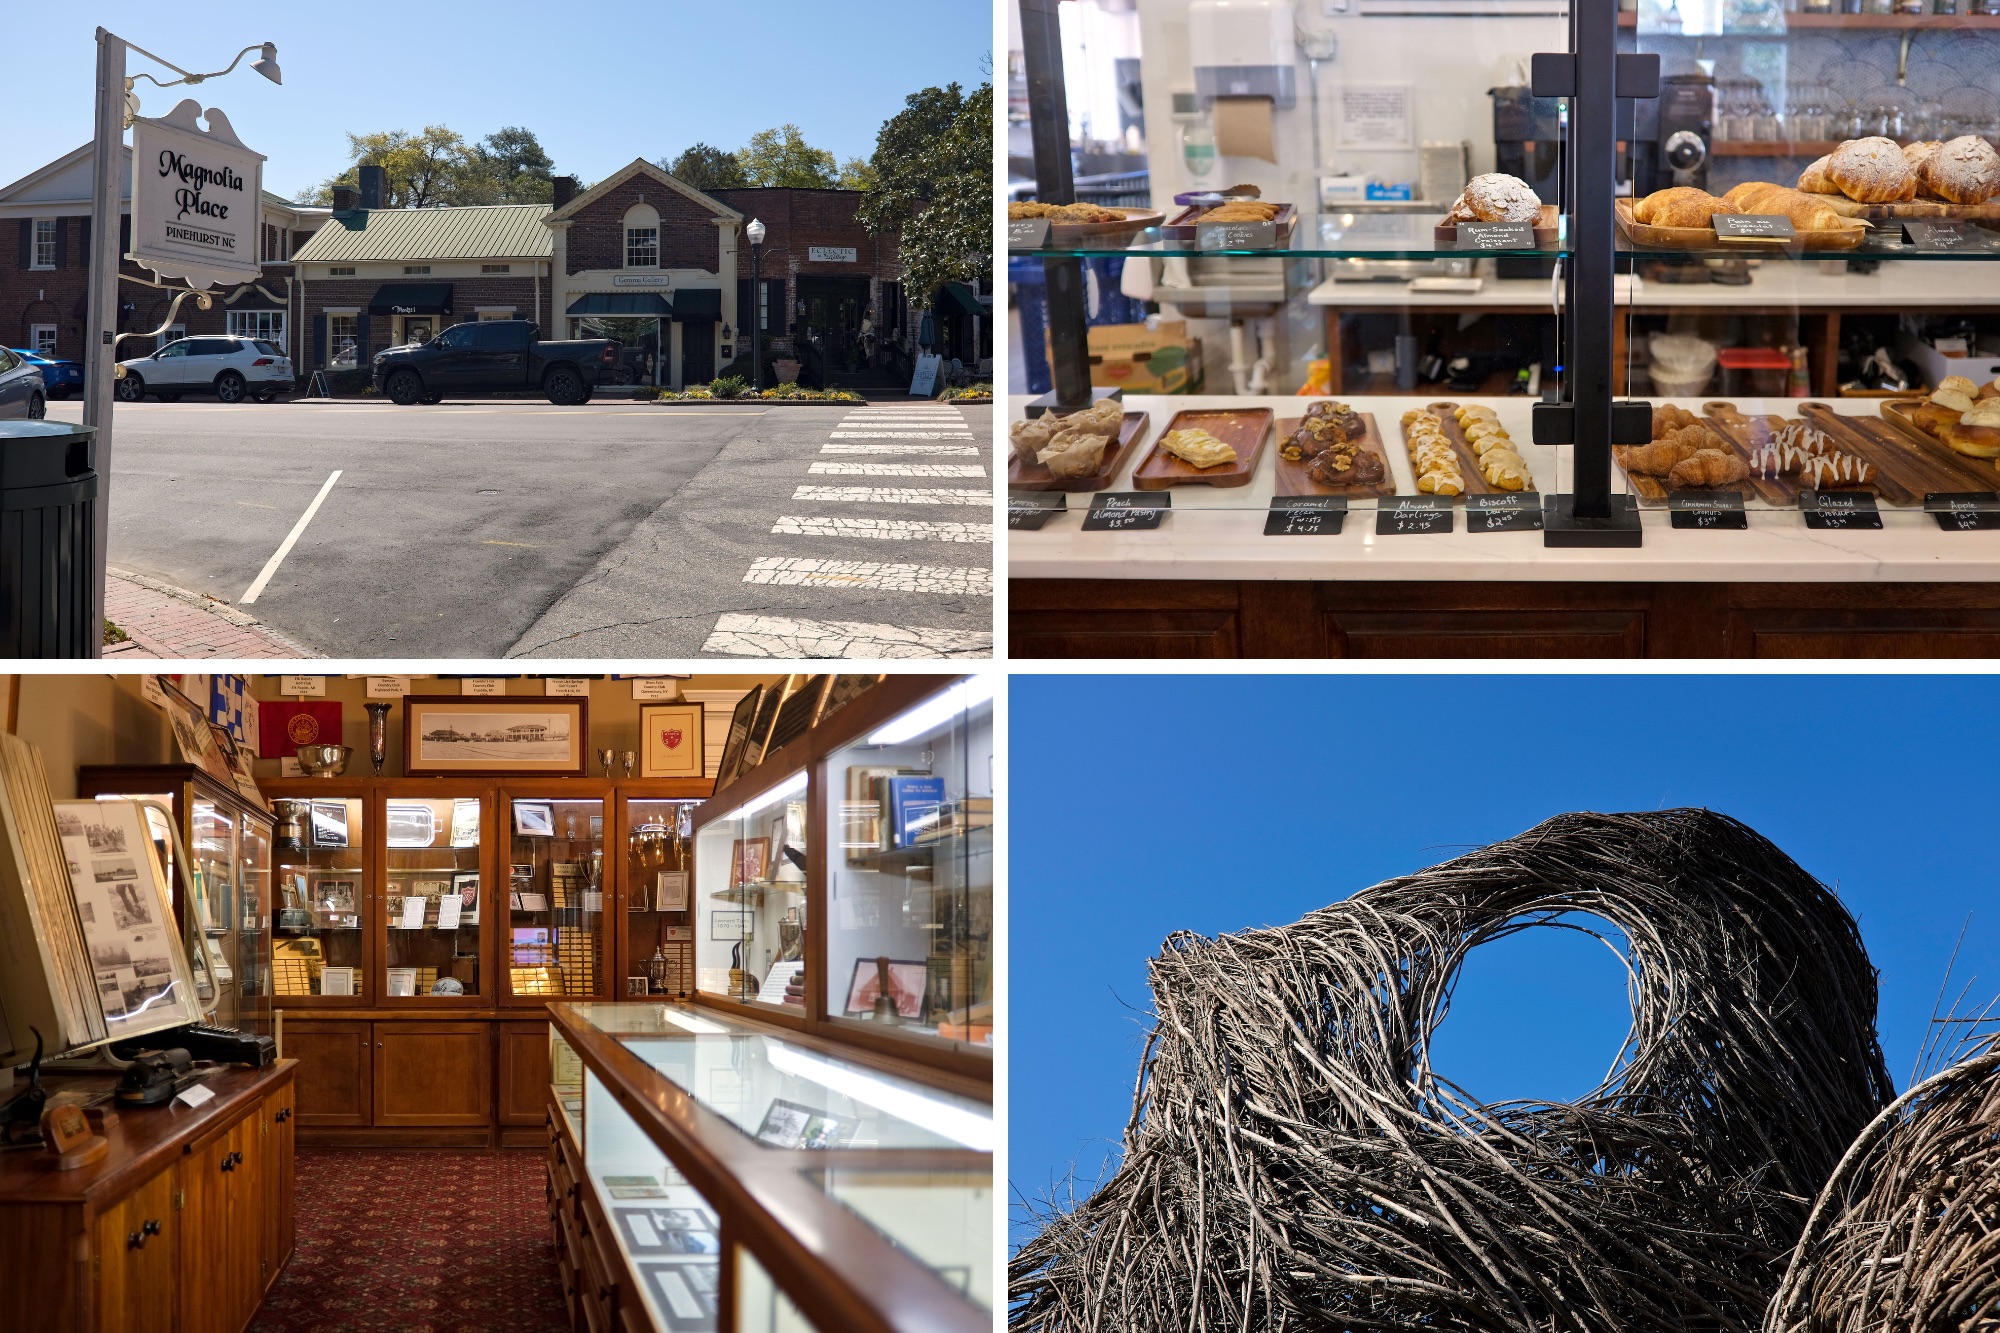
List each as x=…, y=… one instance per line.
x=604, y=758
x=378, y=734
x=630, y=757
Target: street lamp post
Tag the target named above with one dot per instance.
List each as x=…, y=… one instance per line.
x=114, y=107
x=755, y=231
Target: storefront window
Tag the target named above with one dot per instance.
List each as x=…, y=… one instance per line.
x=342, y=340
x=266, y=324
x=642, y=247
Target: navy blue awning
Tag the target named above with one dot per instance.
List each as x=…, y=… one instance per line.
x=640, y=305
x=411, y=298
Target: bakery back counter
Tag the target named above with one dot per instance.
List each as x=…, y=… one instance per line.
x=1230, y=572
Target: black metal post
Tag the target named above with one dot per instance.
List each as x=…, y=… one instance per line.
x=756, y=318
x=1055, y=183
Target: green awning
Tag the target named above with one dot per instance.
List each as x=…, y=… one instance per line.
x=698, y=303
x=961, y=295
x=631, y=305
x=411, y=298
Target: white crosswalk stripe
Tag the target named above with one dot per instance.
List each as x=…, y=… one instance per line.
x=963, y=450
x=895, y=495
x=871, y=575
x=884, y=529
x=897, y=469
x=902, y=435
x=738, y=634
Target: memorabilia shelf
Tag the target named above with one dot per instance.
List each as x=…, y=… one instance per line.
x=713, y=1171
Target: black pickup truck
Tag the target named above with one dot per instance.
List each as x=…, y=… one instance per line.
x=495, y=354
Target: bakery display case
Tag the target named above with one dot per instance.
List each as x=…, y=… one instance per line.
x=910, y=886
x=724, y=1174
x=557, y=938
x=1667, y=332
x=229, y=842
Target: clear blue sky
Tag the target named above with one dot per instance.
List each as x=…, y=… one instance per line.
x=1144, y=805
x=600, y=84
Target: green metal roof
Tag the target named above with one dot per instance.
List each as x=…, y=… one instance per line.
x=497, y=231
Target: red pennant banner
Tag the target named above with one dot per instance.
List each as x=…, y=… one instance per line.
x=283, y=725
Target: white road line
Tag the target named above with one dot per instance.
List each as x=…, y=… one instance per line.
x=954, y=450
x=291, y=539
x=737, y=634
x=896, y=495
x=869, y=574
x=953, y=420
x=901, y=435
x=896, y=469
x=883, y=529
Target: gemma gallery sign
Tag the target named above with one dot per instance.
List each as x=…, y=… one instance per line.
x=195, y=196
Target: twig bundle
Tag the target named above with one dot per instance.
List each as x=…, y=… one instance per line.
x=1906, y=1236
x=1294, y=1163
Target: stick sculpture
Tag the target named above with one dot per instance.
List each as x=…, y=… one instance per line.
x=1293, y=1163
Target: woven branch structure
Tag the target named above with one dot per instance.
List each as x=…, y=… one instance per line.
x=1294, y=1163
x=1906, y=1236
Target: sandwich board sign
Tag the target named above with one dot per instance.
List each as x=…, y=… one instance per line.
x=196, y=197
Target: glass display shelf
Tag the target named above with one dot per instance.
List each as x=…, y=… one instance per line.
x=434, y=899
x=1410, y=234
x=943, y=1218
x=557, y=942
x=1885, y=242
x=319, y=854
x=750, y=881
x=659, y=865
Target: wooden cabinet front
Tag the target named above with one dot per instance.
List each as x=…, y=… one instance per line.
x=336, y=1069
x=524, y=1073
x=137, y=1265
x=278, y=1112
x=222, y=1263
x=433, y=1074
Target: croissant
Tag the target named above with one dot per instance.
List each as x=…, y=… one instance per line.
x=1653, y=460
x=1667, y=417
x=1872, y=170
x=1710, y=467
x=1681, y=206
x=1814, y=180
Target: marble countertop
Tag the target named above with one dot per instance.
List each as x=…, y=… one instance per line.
x=1215, y=533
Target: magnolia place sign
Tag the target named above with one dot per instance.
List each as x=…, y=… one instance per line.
x=195, y=198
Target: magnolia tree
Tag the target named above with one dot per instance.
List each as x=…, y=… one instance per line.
x=933, y=179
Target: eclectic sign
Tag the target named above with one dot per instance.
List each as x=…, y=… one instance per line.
x=832, y=254
x=196, y=197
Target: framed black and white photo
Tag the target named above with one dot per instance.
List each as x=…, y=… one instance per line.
x=687, y=1293
x=452, y=735
x=534, y=819
x=329, y=823
x=738, y=739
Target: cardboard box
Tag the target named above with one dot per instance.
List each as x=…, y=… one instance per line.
x=1139, y=358
x=1979, y=367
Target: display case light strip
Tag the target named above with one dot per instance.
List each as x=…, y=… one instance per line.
x=934, y=713
x=941, y=1118
x=796, y=782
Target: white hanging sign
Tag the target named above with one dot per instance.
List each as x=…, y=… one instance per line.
x=196, y=198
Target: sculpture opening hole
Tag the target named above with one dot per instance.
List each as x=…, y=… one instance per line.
x=1537, y=1015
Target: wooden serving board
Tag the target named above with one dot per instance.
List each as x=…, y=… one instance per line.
x=1703, y=238
x=1104, y=233
x=1468, y=457
x=1745, y=435
x=1927, y=461
x=1910, y=208
x=1294, y=480
x=1244, y=429
x=1182, y=231
x=1652, y=491
x=1027, y=475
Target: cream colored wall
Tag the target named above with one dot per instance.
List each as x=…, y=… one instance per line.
x=614, y=714
x=90, y=719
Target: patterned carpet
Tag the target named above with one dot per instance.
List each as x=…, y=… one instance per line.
x=418, y=1241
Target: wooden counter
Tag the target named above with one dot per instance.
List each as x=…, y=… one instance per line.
x=182, y=1228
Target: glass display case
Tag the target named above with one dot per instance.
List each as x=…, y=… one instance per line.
x=435, y=902
x=229, y=842
x=750, y=876
x=1522, y=298
x=556, y=937
x=659, y=874
x=891, y=1174
x=909, y=946
x=323, y=951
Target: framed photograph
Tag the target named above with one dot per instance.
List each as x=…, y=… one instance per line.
x=790, y=1125
x=635, y=986
x=452, y=735
x=760, y=726
x=670, y=891
x=334, y=898
x=465, y=821
x=466, y=885
x=738, y=739
x=735, y=927
x=329, y=823
x=336, y=981
x=799, y=709
x=658, y=1231
x=907, y=981
x=687, y=1293
x=534, y=819
x=672, y=741
x=842, y=691
x=195, y=735
x=750, y=861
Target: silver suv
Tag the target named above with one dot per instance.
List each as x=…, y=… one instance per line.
x=230, y=367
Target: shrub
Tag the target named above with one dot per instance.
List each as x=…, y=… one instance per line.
x=728, y=386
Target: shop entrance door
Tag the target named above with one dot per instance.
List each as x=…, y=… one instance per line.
x=697, y=353
x=417, y=329
x=831, y=329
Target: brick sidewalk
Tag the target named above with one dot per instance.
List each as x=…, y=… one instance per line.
x=168, y=622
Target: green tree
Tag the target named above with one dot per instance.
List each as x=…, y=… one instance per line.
x=706, y=168
x=782, y=157
x=933, y=178
x=856, y=173
x=512, y=159
x=438, y=167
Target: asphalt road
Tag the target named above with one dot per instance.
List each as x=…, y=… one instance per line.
x=490, y=529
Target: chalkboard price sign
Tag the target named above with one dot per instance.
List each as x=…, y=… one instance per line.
x=1403, y=515
x=1306, y=516
x=1964, y=511
x=1496, y=235
x=1944, y=236
x=1027, y=233
x=1753, y=227
x=1123, y=511
x=1518, y=512
x=1840, y=509
x=1236, y=235
x=1694, y=509
x=1029, y=510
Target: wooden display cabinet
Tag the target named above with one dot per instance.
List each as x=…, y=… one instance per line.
x=560, y=938
x=321, y=875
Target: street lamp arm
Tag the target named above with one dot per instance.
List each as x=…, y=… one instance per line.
x=187, y=76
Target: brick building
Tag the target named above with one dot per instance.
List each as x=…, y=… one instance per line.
x=45, y=269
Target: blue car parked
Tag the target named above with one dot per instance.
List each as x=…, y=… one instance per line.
x=62, y=378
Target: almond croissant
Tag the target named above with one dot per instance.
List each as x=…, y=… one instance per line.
x=1710, y=467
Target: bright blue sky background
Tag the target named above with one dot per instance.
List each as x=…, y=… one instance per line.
x=600, y=84
x=1216, y=803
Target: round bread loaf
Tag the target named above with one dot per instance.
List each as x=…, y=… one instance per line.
x=1872, y=171
x=1500, y=198
x=1964, y=170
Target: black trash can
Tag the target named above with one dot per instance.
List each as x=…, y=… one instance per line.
x=48, y=517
